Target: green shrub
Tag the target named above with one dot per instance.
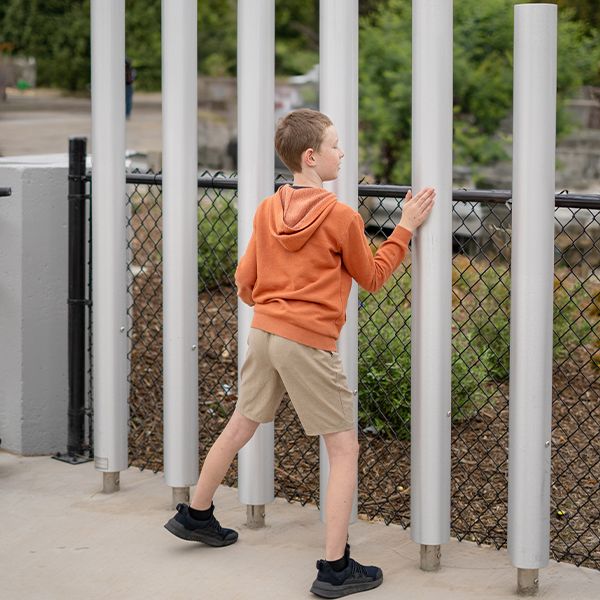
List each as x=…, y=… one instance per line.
x=468, y=377
x=576, y=318
x=217, y=243
x=384, y=364
x=492, y=341
x=480, y=344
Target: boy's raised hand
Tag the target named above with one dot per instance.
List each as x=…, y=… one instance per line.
x=416, y=210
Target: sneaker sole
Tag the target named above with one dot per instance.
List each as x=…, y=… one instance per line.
x=177, y=529
x=327, y=590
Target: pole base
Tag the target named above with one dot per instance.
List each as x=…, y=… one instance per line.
x=180, y=494
x=430, y=557
x=528, y=581
x=111, y=482
x=71, y=458
x=255, y=516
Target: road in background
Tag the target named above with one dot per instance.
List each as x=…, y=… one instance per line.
x=41, y=122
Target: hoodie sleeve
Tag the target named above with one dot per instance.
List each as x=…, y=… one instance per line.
x=245, y=274
x=371, y=272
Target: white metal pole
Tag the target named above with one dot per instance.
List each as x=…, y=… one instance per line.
x=109, y=239
x=256, y=91
x=431, y=279
x=532, y=266
x=338, y=91
x=180, y=243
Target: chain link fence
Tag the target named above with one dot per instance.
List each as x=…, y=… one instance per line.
x=480, y=362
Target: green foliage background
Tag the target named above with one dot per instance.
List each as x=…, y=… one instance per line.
x=483, y=69
x=57, y=33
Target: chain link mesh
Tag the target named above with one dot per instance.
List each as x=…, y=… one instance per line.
x=480, y=366
x=480, y=372
x=145, y=316
x=576, y=388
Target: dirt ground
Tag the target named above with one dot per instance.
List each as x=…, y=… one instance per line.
x=479, y=444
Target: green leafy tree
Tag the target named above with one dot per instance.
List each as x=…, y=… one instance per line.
x=69, y=67
x=143, y=41
x=483, y=44
x=296, y=36
x=56, y=33
x=217, y=33
x=585, y=11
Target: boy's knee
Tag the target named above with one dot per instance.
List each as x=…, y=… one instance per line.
x=240, y=429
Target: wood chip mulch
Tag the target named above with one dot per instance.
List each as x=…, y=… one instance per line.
x=479, y=444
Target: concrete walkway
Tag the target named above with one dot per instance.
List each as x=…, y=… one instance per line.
x=42, y=121
x=61, y=538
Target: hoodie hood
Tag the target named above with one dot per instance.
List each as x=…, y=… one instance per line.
x=295, y=214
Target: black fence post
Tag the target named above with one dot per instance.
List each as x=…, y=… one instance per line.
x=77, y=303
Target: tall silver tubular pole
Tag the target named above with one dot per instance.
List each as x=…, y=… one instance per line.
x=109, y=235
x=338, y=91
x=532, y=268
x=180, y=243
x=431, y=279
x=256, y=97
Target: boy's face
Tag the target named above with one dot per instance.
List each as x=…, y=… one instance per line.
x=328, y=157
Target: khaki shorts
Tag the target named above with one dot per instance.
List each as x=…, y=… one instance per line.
x=314, y=380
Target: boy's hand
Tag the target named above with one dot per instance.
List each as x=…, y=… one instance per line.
x=416, y=210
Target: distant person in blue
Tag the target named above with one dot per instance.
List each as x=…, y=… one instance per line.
x=130, y=75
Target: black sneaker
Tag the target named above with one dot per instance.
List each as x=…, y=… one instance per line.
x=354, y=578
x=208, y=532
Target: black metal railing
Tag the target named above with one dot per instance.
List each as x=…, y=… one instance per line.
x=78, y=447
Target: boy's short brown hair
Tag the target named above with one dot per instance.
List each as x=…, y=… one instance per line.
x=296, y=132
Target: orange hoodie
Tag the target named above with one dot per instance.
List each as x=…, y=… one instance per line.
x=305, y=249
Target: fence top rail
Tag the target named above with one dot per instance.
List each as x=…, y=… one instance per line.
x=4, y=191
x=562, y=199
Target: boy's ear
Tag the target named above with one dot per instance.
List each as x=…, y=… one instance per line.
x=308, y=157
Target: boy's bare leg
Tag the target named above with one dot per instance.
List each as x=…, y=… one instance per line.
x=236, y=434
x=342, y=449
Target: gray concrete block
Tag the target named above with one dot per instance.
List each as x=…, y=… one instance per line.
x=33, y=295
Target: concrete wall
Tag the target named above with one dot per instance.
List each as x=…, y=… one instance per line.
x=33, y=304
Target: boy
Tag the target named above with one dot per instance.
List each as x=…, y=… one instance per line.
x=305, y=249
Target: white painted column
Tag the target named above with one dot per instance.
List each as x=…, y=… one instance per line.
x=431, y=336
x=180, y=243
x=338, y=90
x=532, y=269
x=109, y=239
x=256, y=90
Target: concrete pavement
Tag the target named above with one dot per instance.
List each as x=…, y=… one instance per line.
x=62, y=538
x=42, y=121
